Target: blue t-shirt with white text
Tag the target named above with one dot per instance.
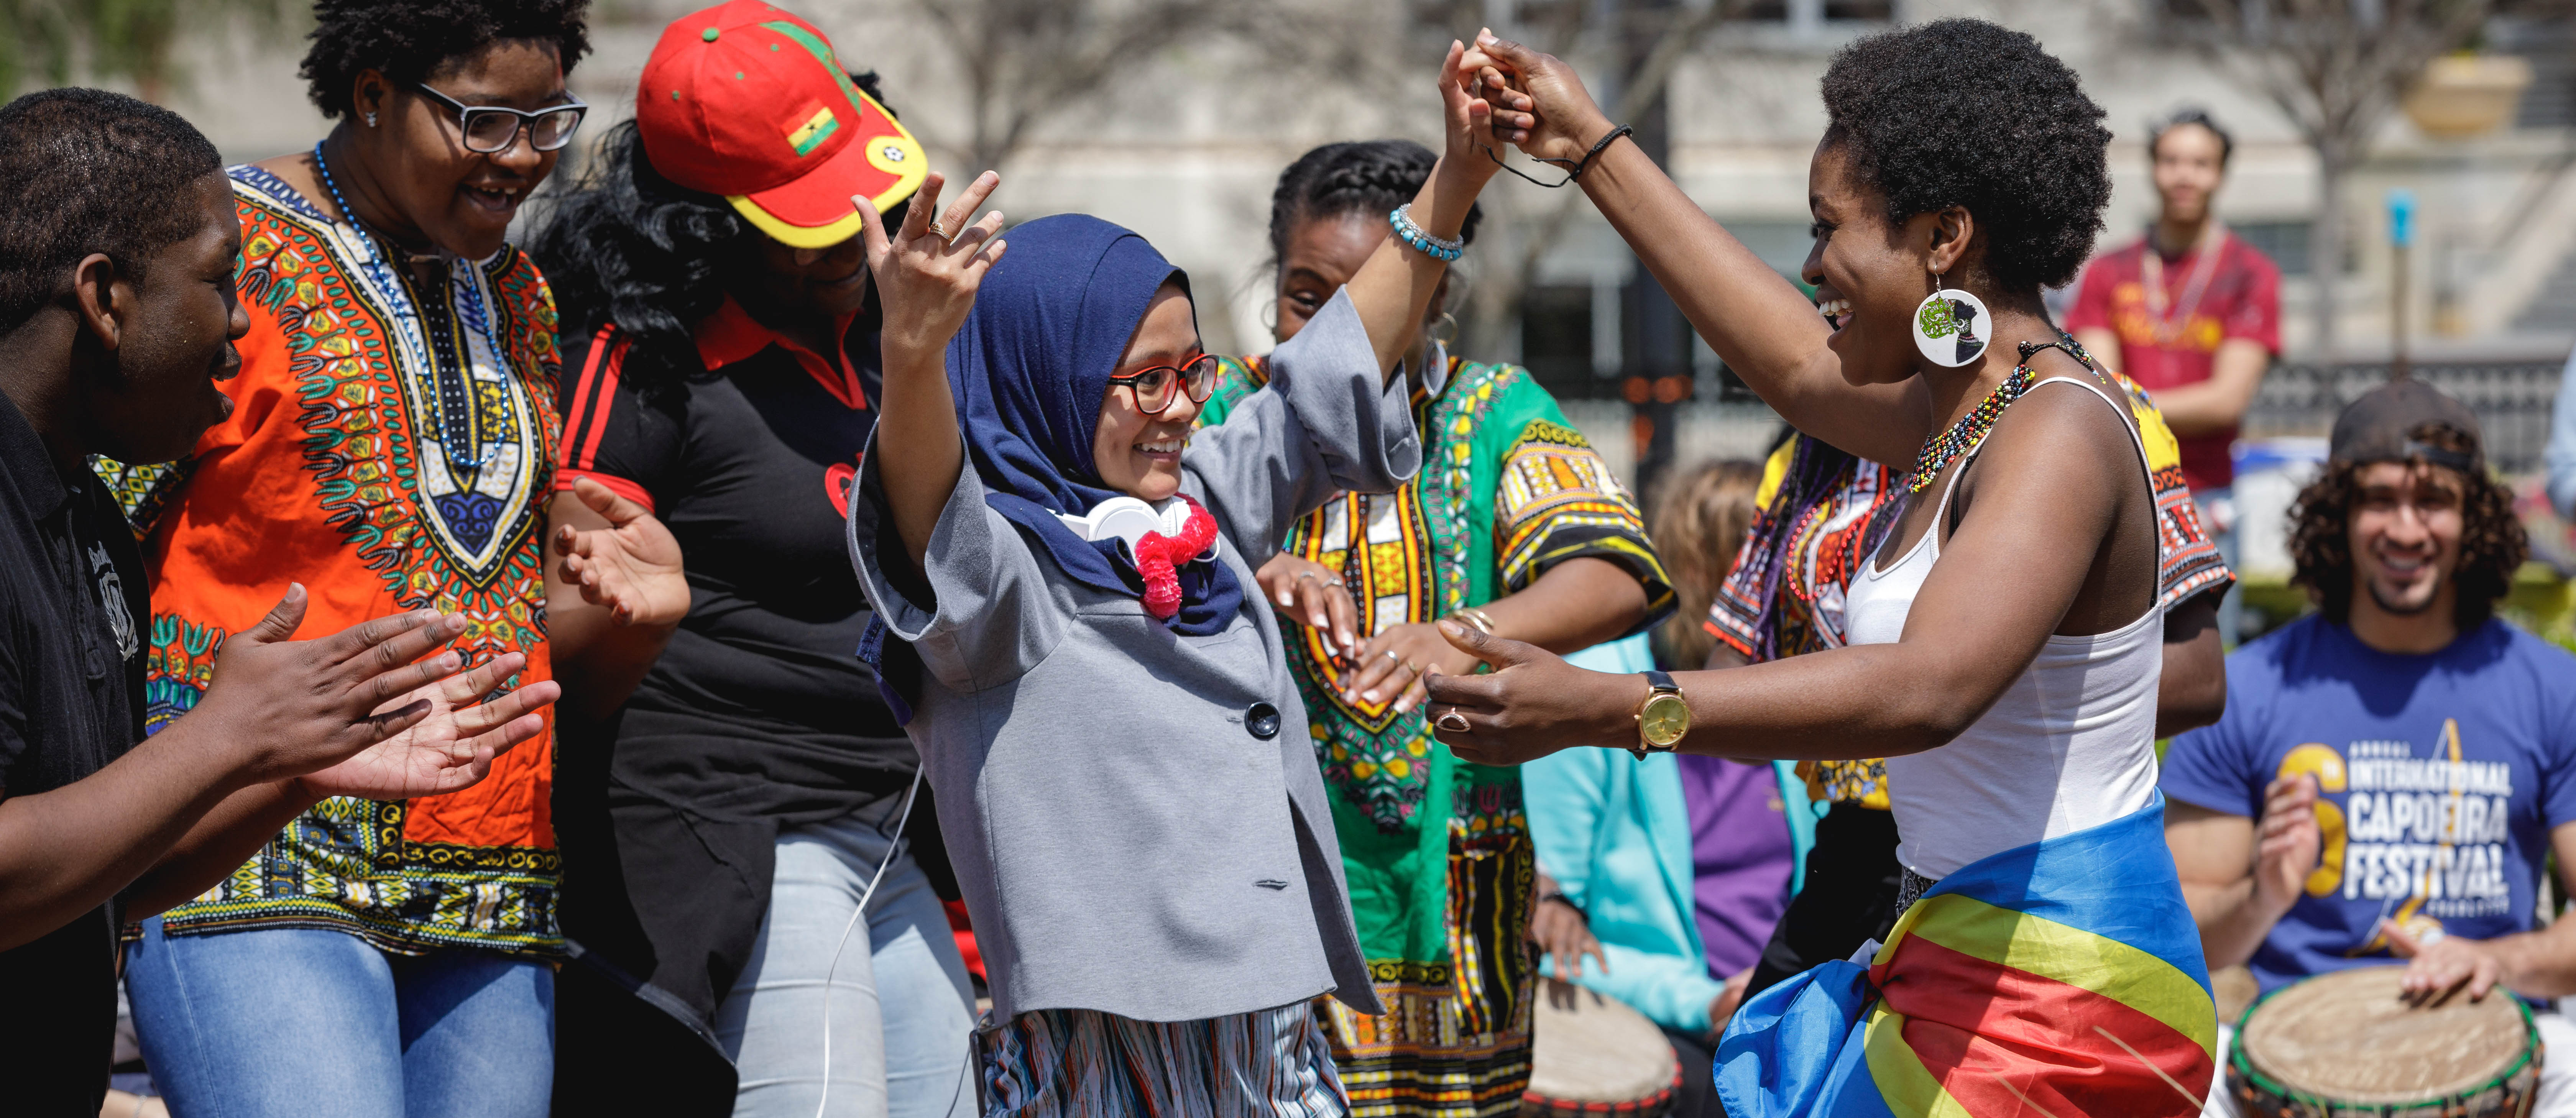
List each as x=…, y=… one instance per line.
x=2441, y=777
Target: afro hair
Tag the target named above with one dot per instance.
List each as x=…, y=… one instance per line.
x=408, y=40
x=1960, y=112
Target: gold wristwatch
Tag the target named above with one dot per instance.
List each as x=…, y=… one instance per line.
x=1663, y=719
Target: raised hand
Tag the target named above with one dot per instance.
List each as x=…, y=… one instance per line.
x=2287, y=842
x=927, y=274
x=1531, y=705
x=632, y=566
x=1533, y=100
x=453, y=746
x=295, y=707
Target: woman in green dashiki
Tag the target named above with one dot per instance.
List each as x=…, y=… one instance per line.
x=1514, y=523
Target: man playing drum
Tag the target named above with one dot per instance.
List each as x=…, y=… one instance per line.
x=2391, y=773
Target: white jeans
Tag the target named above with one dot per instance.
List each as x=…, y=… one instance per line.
x=2557, y=1099
x=902, y=1011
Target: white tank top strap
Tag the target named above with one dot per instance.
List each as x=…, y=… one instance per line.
x=2128, y=417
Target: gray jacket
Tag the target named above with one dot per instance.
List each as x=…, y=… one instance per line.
x=1136, y=817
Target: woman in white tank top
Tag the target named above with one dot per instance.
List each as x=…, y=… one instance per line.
x=2004, y=642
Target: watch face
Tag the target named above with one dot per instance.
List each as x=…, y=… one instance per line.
x=1664, y=720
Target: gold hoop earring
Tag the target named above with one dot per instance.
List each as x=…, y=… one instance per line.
x=1270, y=316
x=1451, y=338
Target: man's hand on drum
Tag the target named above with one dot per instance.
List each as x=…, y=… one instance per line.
x=1551, y=704
x=2439, y=965
x=2287, y=843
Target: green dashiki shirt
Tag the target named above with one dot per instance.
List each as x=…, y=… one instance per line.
x=1437, y=850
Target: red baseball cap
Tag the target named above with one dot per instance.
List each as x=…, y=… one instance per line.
x=749, y=102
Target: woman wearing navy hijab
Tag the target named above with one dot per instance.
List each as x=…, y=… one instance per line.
x=1107, y=718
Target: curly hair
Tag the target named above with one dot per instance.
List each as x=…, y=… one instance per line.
x=2492, y=543
x=1354, y=177
x=1699, y=524
x=1960, y=112
x=91, y=171
x=626, y=245
x=408, y=40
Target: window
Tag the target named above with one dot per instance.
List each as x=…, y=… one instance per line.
x=1812, y=13
x=2286, y=242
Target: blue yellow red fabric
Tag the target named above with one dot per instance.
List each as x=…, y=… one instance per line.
x=2061, y=978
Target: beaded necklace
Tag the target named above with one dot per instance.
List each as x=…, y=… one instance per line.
x=1972, y=428
x=452, y=390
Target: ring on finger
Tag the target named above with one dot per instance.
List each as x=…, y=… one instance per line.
x=1452, y=722
x=1390, y=655
x=940, y=230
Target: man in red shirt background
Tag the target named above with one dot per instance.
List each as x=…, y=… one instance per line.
x=2192, y=314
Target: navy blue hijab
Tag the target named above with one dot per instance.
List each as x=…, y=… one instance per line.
x=1029, y=370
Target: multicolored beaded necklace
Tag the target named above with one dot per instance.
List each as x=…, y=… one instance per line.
x=1972, y=428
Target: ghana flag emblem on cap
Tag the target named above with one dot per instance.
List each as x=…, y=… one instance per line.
x=747, y=101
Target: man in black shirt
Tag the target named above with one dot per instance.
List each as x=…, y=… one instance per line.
x=117, y=316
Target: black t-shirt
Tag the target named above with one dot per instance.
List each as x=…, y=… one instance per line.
x=759, y=705
x=758, y=715
x=72, y=609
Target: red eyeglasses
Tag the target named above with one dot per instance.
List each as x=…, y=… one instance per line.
x=1158, y=387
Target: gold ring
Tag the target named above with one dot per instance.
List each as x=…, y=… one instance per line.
x=1452, y=722
x=1410, y=669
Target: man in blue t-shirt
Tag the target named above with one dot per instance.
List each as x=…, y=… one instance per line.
x=2392, y=772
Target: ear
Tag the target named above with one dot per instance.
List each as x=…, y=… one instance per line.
x=1951, y=228
x=368, y=94
x=103, y=296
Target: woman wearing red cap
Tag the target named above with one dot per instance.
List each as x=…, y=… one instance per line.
x=733, y=782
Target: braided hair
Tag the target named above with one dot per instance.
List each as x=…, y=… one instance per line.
x=1354, y=177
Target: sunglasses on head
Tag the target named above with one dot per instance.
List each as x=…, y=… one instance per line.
x=491, y=129
x=1156, y=388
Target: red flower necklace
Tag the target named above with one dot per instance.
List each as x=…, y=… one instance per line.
x=1158, y=558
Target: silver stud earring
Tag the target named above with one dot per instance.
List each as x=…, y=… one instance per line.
x=371, y=120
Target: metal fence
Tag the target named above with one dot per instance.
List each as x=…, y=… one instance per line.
x=2511, y=399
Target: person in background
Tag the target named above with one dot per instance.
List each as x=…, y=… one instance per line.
x=2559, y=457
x=1515, y=524
x=393, y=446
x=2192, y=314
x=2295, y=820
x=732, y=779
x=1670, y=871
x=118, y=318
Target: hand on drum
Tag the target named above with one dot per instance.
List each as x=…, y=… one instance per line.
x=2287, y=843
x=2439, y=965
x=1532, y=704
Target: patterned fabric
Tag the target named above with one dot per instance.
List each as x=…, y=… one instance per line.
x=2059, y=978
x=1442, y=897
x=392, y=446
x=1081, y=1063
x=1822, y=513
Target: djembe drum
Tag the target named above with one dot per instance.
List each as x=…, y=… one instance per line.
x=1593, y=1055
x=2346, y=1045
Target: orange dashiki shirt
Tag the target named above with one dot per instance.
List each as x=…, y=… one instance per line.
x=390, y=447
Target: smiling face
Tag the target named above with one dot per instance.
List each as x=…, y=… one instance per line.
x=415, y=155
x=2405, y=530
x=2189, y=162
x=1869, y=273
x=1135, y=453
x=176, y=344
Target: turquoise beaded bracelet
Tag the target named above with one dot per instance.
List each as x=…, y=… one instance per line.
x=1401, y=218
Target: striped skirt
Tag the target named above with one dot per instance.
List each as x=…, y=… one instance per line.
x=1080, y=1063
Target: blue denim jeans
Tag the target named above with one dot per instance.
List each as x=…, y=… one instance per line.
x=289, y=1022
x=902, y=1012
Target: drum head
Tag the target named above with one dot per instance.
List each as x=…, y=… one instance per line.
x=2348, y=1037
x=1594, y=1055
x=2235, y=988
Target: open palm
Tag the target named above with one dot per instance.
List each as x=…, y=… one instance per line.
x=631, y=566
x=451, y=748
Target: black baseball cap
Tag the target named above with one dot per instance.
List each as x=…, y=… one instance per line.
x=2380, y=426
